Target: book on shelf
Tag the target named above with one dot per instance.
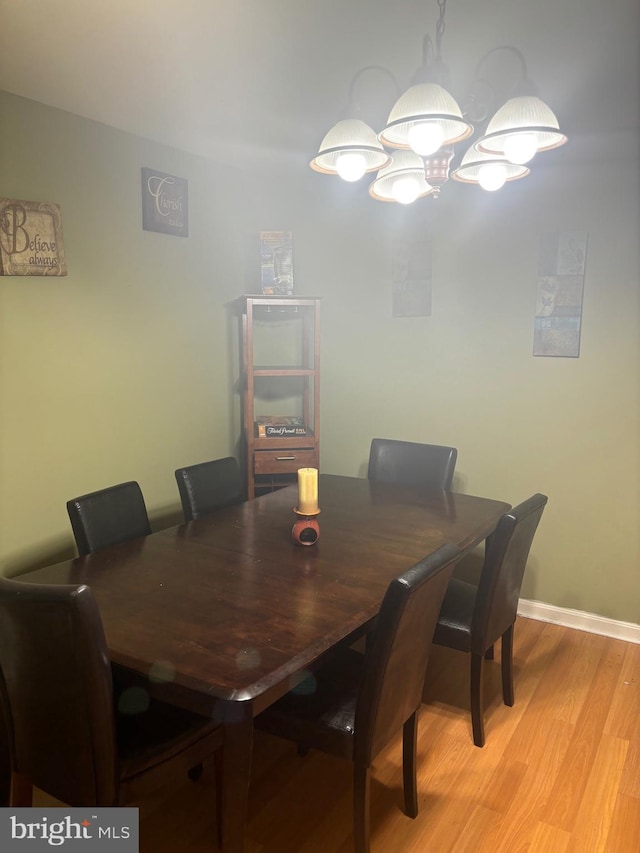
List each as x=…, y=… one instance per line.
x=280, y=426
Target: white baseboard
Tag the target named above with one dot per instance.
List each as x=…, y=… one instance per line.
x=590, y=622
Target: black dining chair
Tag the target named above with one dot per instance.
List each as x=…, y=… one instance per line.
x=108, y=517
x=209, y=486
x=355, y=704
x=67, y=733
x=412, y=463
x=473, y=617
x=5, y=766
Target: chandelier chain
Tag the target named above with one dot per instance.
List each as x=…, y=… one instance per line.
x=442, y=5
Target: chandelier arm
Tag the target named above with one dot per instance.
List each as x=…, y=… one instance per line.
x=508, y=47
x=356, y=77
x=427, y=51
x=483, y=95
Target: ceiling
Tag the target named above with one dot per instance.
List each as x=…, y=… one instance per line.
x=226, y=78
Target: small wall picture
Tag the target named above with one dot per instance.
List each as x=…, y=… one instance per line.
x=276, y=262
x=411, y=278
x=561, y=270
x=31, y=238
x=165, y=203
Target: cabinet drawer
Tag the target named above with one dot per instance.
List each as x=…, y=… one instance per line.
x=283, y=461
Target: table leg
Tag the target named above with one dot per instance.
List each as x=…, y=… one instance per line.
x=236, y=773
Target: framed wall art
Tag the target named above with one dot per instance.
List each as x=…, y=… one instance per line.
x=165, y=203
x=31, y=238
x=561, y=270
x=411, y=278
x=276, y=262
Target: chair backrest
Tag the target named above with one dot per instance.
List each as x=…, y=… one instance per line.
x=209, y=486
x=410, y=462
x=398, y=652
x=108, y=516
x=506, y=553
x=57, y=692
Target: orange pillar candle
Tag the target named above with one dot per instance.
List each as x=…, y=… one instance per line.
x=308, y=490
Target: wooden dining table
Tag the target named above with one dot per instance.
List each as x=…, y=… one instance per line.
x=225, y=614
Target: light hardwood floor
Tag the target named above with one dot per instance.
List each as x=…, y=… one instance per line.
x=560, y=770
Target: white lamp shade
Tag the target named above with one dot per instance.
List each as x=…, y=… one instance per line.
x=352, y=136
x=525, y=114
x=404, y=164
x=425, y=103
x=468, y=172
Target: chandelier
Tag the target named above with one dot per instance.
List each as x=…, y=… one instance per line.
x=426, y=123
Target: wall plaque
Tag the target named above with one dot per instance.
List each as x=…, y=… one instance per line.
x=165, y=204
x=31, y=238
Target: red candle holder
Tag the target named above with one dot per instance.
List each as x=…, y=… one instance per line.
x=306, y=530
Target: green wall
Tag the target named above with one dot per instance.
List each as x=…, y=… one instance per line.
x=121, y=370
x=127, y=368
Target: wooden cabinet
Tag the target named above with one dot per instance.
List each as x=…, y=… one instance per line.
x=280, y=384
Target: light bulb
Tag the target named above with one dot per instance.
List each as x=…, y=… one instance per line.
x=492, y=176
x=425, y=138
x=405, y=189
x=351, y=166
x=520, y=147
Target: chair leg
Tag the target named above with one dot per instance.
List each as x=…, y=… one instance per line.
x=218, y=758
x=508, y=694
x=5, y=767
x=361, y=808
x=477, y=714
x=409, y=748
x=21, y=791
x=367, y=641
